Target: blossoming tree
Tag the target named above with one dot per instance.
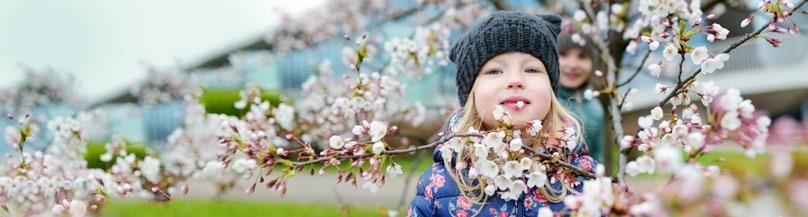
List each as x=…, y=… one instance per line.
x=348, y=121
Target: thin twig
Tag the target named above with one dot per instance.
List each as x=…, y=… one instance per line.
x=623, y=100
x=390, y=152
x=636, y=72
x=410, y=174
x=681, y=64
x=577, y=170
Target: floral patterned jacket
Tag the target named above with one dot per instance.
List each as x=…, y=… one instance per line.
x=438, y=194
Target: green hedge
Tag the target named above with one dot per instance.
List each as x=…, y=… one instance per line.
x=221, y=101
x=204, y=208
x=96, y=149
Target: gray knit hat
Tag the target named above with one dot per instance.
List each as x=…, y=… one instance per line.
x=505, y=32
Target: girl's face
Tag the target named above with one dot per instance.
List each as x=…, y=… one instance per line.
x=508, y=79
x=576, y=68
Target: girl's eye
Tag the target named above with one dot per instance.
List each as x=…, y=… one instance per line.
x=494, y=72
x=531, y=71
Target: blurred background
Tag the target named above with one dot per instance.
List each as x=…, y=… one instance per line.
x=64, y=57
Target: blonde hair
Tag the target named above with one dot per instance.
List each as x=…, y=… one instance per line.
x=557, y=118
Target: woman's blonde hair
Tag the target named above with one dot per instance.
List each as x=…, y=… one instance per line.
x=557, y=119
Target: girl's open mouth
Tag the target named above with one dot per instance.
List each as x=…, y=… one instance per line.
x=515, y=103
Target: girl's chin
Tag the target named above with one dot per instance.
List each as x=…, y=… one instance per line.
x=519, y=124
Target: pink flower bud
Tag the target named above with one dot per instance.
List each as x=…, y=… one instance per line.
x=774, y=42
x=697, y=22
x=251, y=189
x=184, y=189
x=746, y=22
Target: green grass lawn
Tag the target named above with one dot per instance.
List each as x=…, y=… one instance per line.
x=205, y=208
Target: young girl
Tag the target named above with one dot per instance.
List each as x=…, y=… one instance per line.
x=509, y=59
x=578, y=62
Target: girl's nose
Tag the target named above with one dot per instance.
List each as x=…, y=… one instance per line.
x=515, y=81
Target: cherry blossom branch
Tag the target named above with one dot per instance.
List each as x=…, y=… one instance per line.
x=299, y=164
x=681, y=86
x=555, y=160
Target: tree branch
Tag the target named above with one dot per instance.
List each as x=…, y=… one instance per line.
x=680, y=86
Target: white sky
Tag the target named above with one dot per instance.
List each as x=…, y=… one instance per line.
x=105, y=44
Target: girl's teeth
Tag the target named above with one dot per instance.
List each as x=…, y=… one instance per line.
x=520, y=104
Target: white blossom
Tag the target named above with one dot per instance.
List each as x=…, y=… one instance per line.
x=695, y=140
x=336, y=142
x=632, y=169
x=515, y=144
x=730, y=121
x=545, y=212
x=151, y=169
x=394, y=170
x=488, y=169
x=720, y=32
x=657, y=113
x=645, y=122
x=480, y=151
x=502, y=182
x=378, y=147
x=589, y=94
x=653, y=45
x=535, y=127
x=715, y=63
x=579, y=15
x=500, y=114
x=632, y=47
x=708, y=91
x=654, y=69
x=372, y=187
x=358, y=130
x=77, y=208
x=285, y=116
x=668, y=158
x=669, y=52
x=378, y=130
x=512, y=169
x=698, y=55
x=536, y=179
x=242, y=165
x=490, y=190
